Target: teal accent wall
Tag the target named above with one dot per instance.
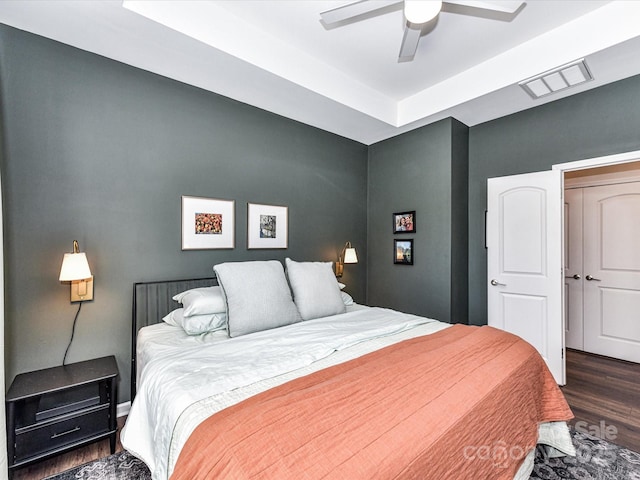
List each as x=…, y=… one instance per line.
x=101, y=152
x=423, y=170
x=602, y=121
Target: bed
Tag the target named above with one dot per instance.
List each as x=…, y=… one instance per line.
x=289, y=378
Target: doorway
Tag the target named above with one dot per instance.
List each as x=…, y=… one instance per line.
x=598, y=396
x=525, y=241
x=602, y=260
x=591, y=323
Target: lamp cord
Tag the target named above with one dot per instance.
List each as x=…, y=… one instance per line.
x=73, y=331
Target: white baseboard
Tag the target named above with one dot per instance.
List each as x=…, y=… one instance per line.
x=123, y=409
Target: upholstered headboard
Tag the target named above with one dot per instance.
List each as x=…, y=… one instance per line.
x=151, y=302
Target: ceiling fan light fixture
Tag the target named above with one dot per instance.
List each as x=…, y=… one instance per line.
x=421, y=11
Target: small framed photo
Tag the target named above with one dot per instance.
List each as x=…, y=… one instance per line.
x=404, y=222
x=267, y=226
x=403, y=252
x=207, y=223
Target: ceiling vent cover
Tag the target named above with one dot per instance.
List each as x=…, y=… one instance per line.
x=557, y=79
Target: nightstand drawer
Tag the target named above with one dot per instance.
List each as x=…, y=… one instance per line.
x=45, y=437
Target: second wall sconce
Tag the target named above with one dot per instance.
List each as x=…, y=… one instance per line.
x=348, y=255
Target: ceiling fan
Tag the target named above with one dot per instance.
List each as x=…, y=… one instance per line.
x=416, y=12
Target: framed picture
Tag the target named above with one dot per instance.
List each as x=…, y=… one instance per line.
x=403, y=252
x=207, y=223
x=404, y=222
x=267, y=226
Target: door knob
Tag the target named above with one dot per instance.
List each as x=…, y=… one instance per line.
x=575, y=277
x=590, y=278
x=495, y=283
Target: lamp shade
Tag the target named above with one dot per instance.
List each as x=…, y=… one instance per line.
x=74, y=267
x=350, y=255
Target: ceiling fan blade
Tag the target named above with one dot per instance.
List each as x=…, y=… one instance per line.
x=351, y=10
x=507, y=6
x=410, y=41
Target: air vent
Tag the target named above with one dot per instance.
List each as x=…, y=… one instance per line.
x=557, y=79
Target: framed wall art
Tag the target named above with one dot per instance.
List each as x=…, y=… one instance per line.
x=207, y=223
x=267, y=226
x=403, y=252
x=404, y=222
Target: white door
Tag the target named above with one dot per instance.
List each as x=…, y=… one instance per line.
x=612, y=271
x=573, y=274
x=524, y=249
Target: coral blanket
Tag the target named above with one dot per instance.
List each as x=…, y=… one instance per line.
x=463, y=403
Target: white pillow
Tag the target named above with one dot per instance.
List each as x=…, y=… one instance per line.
x=201, y=301
x=346, y=298
x=257, y=296
x=196, y=324
x=315, y=289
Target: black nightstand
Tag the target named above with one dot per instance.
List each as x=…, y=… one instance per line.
x=57, y=409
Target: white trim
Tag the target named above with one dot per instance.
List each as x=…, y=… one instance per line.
x=617, y=178
x=123, y=409
x=3, y=431
x=599, y=161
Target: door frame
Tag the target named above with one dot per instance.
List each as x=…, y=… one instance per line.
x=606, y=160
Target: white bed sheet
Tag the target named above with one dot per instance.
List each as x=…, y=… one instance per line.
x=159, y=339
x=155, y=340
x=161, y=420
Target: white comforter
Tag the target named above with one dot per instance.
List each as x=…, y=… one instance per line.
x=182, y=377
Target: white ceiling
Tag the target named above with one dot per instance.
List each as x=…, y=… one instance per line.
x=277, y=55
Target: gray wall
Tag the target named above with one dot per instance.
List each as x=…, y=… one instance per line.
x=424, y=170
x=101, y=152
x=603, y=121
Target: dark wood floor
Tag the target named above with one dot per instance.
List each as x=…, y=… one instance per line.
x=604, y=395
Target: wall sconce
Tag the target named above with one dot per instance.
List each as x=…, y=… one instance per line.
x=75, y=269
x=348, y=255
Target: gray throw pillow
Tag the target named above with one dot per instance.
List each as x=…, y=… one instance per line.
x=316, y=291
x=257, y=295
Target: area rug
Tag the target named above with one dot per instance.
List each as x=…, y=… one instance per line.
x=596, y=459
x=119, y=466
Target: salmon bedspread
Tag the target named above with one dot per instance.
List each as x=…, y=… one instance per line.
x=462, y=403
